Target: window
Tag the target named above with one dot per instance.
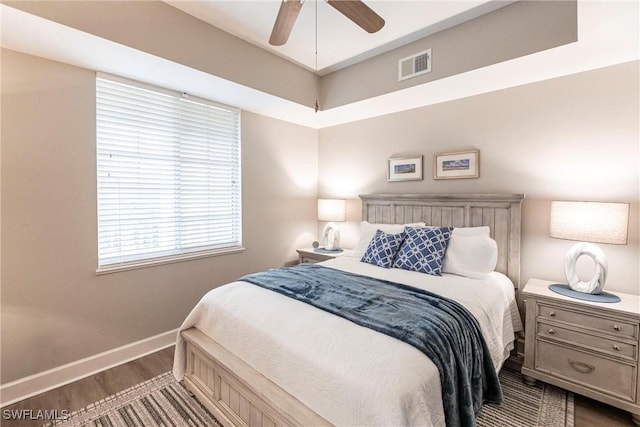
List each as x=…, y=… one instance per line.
x=168, y=175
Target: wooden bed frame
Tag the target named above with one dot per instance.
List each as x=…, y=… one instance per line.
x=238, y=395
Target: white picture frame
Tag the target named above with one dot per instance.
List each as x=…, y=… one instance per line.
x=456, y=165
x=407, y=168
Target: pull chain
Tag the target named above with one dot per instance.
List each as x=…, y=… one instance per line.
x=316, y=105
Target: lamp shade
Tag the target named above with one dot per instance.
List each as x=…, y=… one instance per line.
x=590, y=222
x=331, y=209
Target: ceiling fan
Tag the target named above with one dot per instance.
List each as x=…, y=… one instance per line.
x=355, y=10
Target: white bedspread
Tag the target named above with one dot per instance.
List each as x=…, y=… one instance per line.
x=348, y=374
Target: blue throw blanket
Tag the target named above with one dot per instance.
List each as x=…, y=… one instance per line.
x=439, y=327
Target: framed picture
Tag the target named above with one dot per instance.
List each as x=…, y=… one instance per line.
x=459, y=164
x=405, y=168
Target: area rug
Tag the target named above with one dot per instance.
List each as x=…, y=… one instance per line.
x=541, y=405
x=162, y=401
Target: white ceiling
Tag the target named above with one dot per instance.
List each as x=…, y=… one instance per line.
x=608, y=34
x=405, y=21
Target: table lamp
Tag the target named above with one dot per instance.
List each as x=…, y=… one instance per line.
x=588, y=222
x=331, y=210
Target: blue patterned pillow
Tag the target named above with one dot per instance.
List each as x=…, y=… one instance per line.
x=423, y=249
x=382, y=249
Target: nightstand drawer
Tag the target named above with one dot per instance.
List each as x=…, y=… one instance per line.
x=598, y=373
x=610, y=346
x=610, y=326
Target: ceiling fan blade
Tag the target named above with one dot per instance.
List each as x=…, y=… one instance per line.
x=287, y=16
x=359, y=13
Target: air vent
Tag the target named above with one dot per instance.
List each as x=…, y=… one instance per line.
x=414, y=65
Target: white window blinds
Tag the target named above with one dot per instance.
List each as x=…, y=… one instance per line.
x=168, y=174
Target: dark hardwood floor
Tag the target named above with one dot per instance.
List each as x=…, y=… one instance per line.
x=591, y=413
x=71, y=397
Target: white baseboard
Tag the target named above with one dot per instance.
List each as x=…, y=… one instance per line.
x=32, y=385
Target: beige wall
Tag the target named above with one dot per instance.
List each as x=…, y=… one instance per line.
x=55, y=310
x=164, y=31
x=516, y=30
x=570, y=138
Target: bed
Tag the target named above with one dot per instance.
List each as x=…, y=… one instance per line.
x=256, y=357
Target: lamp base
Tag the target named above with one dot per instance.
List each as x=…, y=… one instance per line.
x=596, y=283
x=331, y=236
x=568, y=292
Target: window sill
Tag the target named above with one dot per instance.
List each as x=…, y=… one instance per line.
x=115, y=268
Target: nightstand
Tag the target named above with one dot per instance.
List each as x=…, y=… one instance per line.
x=586, y=347
x=309, y=255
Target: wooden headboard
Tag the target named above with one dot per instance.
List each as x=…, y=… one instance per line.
x=501, y=212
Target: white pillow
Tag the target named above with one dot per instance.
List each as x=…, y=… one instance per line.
x=471, y=231
x=470, y=253
x=368, y=230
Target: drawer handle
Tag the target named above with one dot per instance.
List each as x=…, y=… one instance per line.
x=551, y=331
x=581, y=366
x=616, y=327
x=552, y=313
x=616, y=347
